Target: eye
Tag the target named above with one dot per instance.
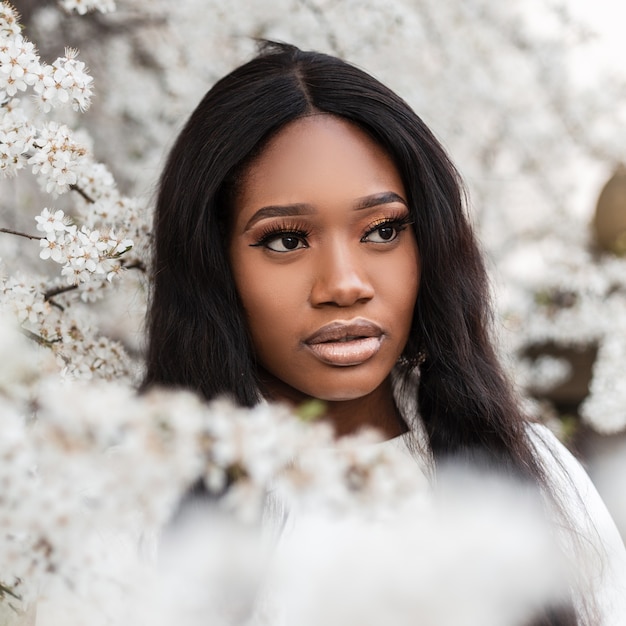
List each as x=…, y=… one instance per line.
x=285, y=242
x=283, y=238
x=382, y=234
x=386, y=231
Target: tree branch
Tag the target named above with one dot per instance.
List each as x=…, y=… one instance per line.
x=51, y=293
x=15, y=232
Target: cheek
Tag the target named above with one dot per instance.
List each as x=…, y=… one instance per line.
x=414, y=284
x=398, y=282
x=272, y=302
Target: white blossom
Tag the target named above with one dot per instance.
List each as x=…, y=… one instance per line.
x=63, y=82
x=82, y=252
x=56, y=157
x=17, y=136
x=24, y=299
x=98, y=184
x=50, y=248
x=50, y=222
x=9, y=25
x=19, y=64
x=605, y=408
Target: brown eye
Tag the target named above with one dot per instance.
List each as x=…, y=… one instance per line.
x=285, y=243
x=386, y=230
x=283, y=238
x=382, y=234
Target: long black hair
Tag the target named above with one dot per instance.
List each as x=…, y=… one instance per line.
x=198, y=337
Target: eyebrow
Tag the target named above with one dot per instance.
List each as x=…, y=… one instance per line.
x=279, y=211
x=386, y=197
x=301, y=208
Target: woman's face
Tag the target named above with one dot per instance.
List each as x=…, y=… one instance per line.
x=325, y=261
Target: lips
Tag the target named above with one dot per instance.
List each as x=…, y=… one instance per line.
x=346, y=343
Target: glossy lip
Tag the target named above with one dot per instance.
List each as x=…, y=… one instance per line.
x=346, y=343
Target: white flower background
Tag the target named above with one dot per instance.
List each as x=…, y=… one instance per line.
x=528, y=97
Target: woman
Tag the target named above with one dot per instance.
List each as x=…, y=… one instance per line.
x=312, y=242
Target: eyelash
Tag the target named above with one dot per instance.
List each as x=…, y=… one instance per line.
x=300, y=232
x=399, y=222
x=281, y=230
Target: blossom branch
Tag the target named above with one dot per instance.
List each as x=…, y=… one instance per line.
x=57, y=291
x=51, y=293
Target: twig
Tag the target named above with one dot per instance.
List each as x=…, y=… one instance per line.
x=5, y=590
x=137, y=265
x=37, y=339
x=57, y=291
x=51, y=293
x=15, y=232
x=82, y=193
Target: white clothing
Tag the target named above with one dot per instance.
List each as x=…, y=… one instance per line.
x=586, y=510
x=581, y=502
x=593, y=521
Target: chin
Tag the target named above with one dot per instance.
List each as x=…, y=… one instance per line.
x=342, y=393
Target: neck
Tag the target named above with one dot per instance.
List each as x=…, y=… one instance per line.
x=375, y=410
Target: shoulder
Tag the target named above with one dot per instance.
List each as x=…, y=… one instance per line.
x=591, y=521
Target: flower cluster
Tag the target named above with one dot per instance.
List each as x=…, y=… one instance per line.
x=52, y=151
x=19, y=64
x=57, y=158
x=9, y=24
x=250, y=449
x=92, y=246
x=561, y=295
x=82, y=252
x=69, y=332
x=25, y=298
x=65, y=81
x=111, y=483
x=17, y=137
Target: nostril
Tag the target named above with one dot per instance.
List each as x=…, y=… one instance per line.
x=341, y=289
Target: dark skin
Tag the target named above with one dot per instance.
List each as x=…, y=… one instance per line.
x=327, y=267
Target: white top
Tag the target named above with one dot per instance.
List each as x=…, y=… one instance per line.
x=580, y=499
x=592, y=519
x=585, y=509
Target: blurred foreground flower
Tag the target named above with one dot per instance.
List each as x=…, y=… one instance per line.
x=293, y=526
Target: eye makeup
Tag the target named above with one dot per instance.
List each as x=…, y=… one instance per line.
x=397, y=222
x=285, y=230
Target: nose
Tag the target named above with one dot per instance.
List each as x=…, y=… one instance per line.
x=341, y=278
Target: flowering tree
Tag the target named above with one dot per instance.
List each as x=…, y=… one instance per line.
x=77, y=442
x=502, y=87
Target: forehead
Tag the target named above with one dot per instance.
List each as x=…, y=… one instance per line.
x=316, y=159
